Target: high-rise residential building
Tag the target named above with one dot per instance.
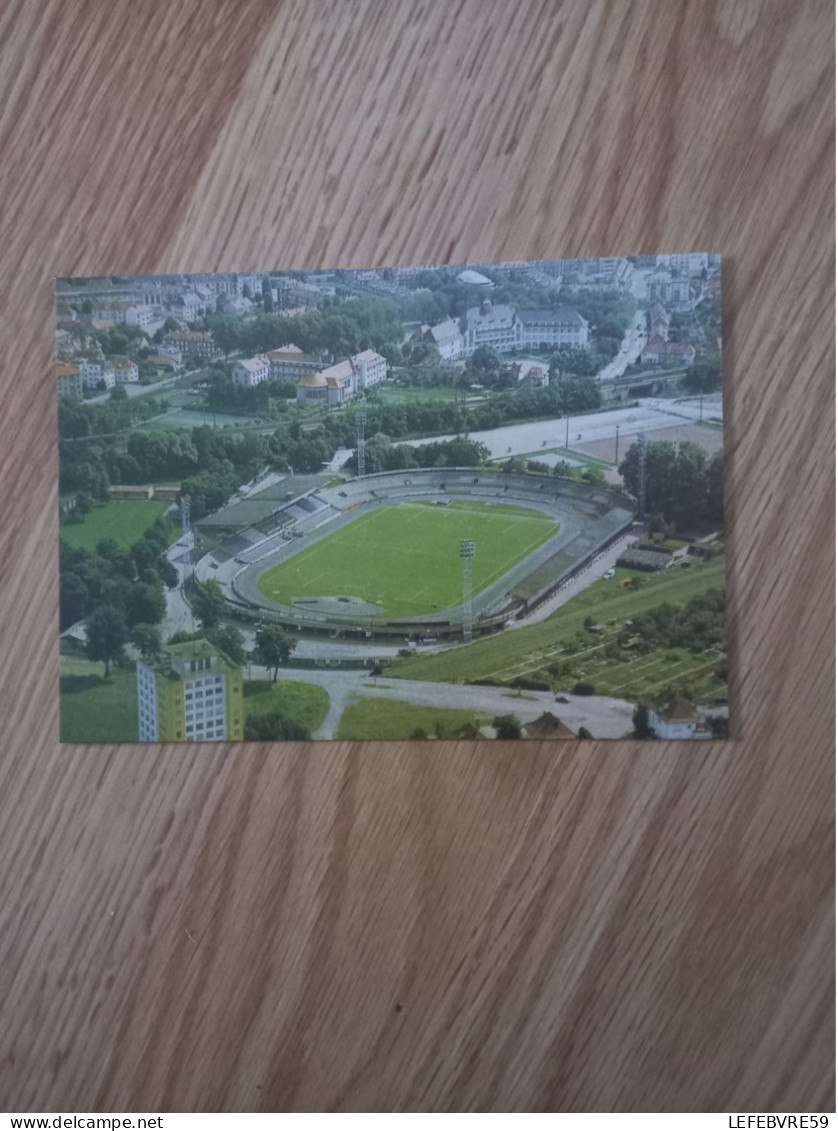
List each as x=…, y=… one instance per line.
x=192, y=694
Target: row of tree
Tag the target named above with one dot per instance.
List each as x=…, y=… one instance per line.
x=683, y=485
x=345, y=328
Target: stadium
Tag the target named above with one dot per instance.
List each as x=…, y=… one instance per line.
x=422, y=555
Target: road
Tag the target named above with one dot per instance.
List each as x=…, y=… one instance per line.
x=524, y=439
x=603, y=717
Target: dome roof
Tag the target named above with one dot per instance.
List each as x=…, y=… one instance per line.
x=473, y=278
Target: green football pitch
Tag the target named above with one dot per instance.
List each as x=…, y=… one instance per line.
x=405, y=558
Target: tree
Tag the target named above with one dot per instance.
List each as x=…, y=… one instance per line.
x=273, y=647
x=107, y=635
x=146, y=637
x=146, y=604
x=640, y=719
x=274, y=727
x=208, y=602
x=229, y=640
x=507, y=726
x=73, y=598
x=585, y=733
x=84, y=504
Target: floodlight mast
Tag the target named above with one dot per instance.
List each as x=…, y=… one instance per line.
x=466, y=557
x=641, y=489
x=360, y=429
x=189, y=570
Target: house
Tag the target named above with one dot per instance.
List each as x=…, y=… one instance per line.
x=560, y=329
x=125, y=370
x=659, y=320
x=240, y=306
x=690, y=263
x=110, y=310
x=187, y=307
x=141, y=316
x=534, y=373
x=289, y=363
x=489, y=325
x=162, y=361
x=251, y=371
x=673, y=716
x=547, y=726
x=448, y=339
x=171, y=351
x=340, y=382
x=192, y=694
x=94, y=373
x=193, y=343
x=70, y=382
x=331, y=386
x=660, y=352
x=673, y=292
x=370, y=369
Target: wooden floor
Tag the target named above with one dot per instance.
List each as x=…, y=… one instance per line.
x=445, y=927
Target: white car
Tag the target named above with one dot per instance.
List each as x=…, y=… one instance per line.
x=608, y=573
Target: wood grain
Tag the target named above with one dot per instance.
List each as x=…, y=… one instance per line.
x=445, y=927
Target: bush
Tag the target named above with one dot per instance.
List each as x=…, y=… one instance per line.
x=584, y=689
x=527, y=684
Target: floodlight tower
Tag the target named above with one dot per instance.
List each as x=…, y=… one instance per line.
x=466, y=557
x=185, y=513
x=641, y=478
x=360, y=429
x=189, y=568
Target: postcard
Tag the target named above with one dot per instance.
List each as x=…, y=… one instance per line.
x=475, y=502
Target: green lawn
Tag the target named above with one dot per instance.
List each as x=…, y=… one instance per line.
x=305, y=703
x=95, y=709
x=406, y=559
x=393, y=719
x=415, y=394
x=525, y=651
x=124, y=522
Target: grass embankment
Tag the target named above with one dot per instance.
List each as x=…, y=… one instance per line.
x=393, y=719
x=95, y=709
x=304, y=703
x=561, y=652
x=124, y=522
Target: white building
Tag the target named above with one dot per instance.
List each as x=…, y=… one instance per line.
x=69, y=381
x=125, y=370
x=193, y=694
x=370, y=369
x=677, y=718
x=340, y=382
x=562, y=329
x=448, y=339
x=689, y=263
x=93, y=373
x=289, y=363
x=489, y=325
x=252, y=371
x=141, y=316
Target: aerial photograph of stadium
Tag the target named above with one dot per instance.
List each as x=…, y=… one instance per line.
x=472, y=502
